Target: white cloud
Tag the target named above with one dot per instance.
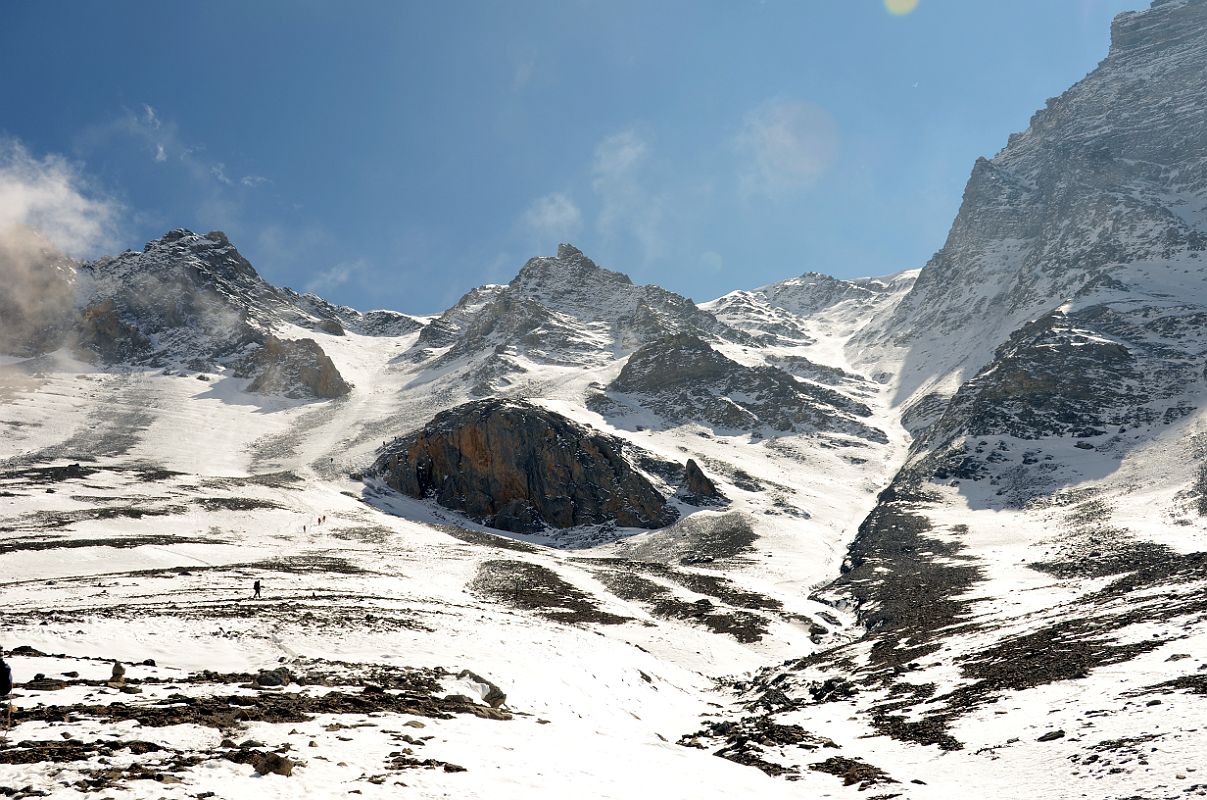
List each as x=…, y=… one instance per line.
x=786, y=145
x=554, y=216
x=627, y=207
x=252, y=181
x=52, y=196
x=161, y=155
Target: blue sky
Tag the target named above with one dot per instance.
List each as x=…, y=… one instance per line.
x=395, y=154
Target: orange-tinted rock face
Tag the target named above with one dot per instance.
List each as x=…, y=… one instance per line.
x=518, y=467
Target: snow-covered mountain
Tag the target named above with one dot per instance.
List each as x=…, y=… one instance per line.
x=919, y=536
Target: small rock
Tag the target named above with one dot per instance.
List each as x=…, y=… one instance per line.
x=272, y=764
x=1051, y=736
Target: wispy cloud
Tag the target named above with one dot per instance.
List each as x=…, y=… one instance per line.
x=218, y=170
x=554, y=216
x=785, y=145
x=52, y=196
x=335, y=276
x=522, y=75
x=626, y=206
x=165, y=144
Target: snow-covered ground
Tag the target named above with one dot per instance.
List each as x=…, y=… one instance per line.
x=188, y=489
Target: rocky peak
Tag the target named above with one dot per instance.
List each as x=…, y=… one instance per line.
x=515, y=466
x=569, y=277
x=1109, y=175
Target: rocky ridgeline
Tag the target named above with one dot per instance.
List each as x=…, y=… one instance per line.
x=517, y=467
x=683, y=379
x=565, y=310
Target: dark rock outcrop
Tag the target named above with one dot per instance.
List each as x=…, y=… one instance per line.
x=517, y=467
x=683, y=379
x=294, y=368
x=696, y=482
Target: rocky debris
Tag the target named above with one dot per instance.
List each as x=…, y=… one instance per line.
x=834, y=688
x=227, y=712
x=750, y=739
x=518, y=467
x=295, y=368
x=533, y=587
x=853, y=771
x=1051, y=736
x=624, y=581
x=683, y=379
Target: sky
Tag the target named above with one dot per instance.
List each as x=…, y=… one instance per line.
x=395, y=154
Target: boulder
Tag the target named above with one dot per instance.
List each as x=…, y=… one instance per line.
x=518, y=467
x=696, y=482
x=294, y=368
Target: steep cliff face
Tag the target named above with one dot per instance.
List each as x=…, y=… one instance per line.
x=517, y=467
x=1109, y=182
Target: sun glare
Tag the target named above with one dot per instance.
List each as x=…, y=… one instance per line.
x=900, y=7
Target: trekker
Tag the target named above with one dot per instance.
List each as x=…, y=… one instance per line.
x=255, y=587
